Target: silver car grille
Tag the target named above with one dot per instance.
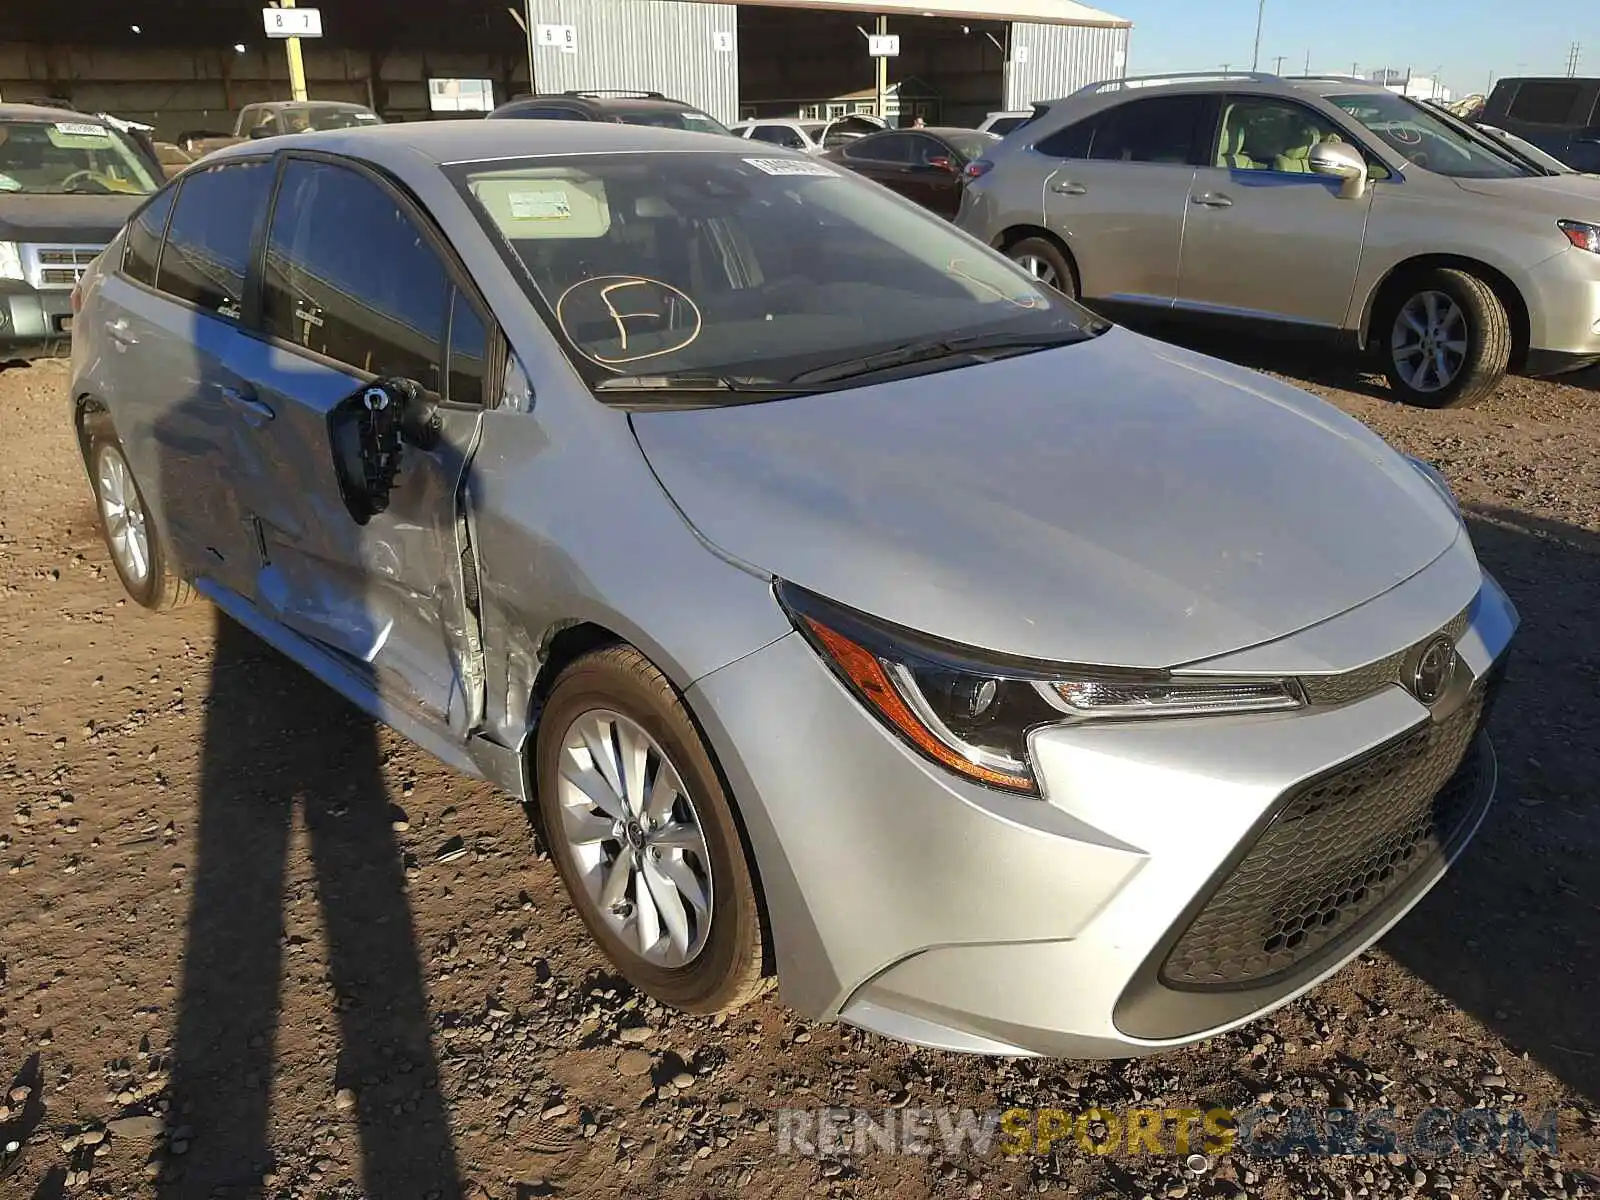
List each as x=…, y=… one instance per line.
x=56, y=267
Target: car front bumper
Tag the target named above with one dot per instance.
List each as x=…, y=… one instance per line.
x=1109, y=918
x=34, y=323
x=1563, y=299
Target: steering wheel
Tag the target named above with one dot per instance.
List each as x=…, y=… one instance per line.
x=86, y=176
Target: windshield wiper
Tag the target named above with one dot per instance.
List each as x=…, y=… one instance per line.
x=691, y=383
x=979, y=347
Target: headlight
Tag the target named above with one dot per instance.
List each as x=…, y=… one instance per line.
x=10, y=261
x=1582, y=235
x=974, y=716
x=1431, y=473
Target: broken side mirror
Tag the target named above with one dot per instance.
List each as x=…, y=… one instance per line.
x=366, y=431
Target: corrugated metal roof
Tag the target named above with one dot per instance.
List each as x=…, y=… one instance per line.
x=1042, y=12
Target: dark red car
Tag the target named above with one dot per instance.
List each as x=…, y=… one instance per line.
x=924, y=165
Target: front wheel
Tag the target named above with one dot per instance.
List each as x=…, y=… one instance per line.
x=644, y=835
x=1445, y=339
x=1045, y=262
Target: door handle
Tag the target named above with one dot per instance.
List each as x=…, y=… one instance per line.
x=255, y=412
x=119, y=333
x=1068, y=187
x=1212, y=200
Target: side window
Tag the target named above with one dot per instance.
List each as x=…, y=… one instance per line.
x=547, y=113
x=1544, y=103
x=1594, y=113
x=469, y=353
x=208, y=239
x=890, y=148
x=142, y=247
x=1261, y=134
x=1161, y=129
x=925, y=149
x=1071, y=142
x=779, y=135
x=349, y=276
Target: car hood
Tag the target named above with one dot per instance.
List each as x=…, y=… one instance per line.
x=80, y=220
x=1576, y=196
x=1118, y=501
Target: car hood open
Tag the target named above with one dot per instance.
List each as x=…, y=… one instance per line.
x=1118, y=501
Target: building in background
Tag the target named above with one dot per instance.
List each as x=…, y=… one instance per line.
x=1418, y=87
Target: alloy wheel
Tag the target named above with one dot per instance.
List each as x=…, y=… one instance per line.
x=1429, y=341
x=127, y=532
x=1041, y=270
x=635, y=838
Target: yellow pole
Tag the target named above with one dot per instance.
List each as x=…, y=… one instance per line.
x=883, y=70
x=297, y=66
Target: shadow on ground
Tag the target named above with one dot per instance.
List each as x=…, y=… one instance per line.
x=1512, y=935
x=280, y=747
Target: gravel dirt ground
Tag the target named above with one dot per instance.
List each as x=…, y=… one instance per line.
x=253, y=945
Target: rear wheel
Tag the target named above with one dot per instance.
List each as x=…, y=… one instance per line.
x=644, y=836
x=131, y=538
x=1044, y=260
x=1444, y=338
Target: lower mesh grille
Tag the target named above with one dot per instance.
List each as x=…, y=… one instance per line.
x=1336, y=850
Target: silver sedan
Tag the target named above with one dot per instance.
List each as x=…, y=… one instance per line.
x=851, y=607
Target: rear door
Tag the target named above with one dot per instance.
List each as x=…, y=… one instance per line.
x=178, y=302
x=1120, y=194
x=356, y=286
x=884, y=158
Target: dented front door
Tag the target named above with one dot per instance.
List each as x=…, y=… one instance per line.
x=355, y=287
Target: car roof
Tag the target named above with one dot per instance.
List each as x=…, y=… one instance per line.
x=45, y=112
x=411, y=144
x=608, y=103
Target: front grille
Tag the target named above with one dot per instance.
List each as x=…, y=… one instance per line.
x=1334, y=852
x=57, y=266
x=1329, y=690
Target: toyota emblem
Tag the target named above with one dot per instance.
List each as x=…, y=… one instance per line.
x=1434, y=669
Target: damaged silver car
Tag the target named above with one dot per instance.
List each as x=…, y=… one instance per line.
x=850, y=606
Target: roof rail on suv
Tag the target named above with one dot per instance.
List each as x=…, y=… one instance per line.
x=1333, y=79
x=1134, y=81
x=627, y=93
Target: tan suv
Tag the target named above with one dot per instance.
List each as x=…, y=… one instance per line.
x=1321, y=206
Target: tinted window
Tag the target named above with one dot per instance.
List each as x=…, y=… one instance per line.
x=548, y=114
x=142, y=246
x=974, y=144
x=1594, y=116
x=1071, y=142
x=1544, y=103
x=778, y=135
x=469, y=353
x=888, y=147
x=350, y=276
x=1161, y=129
x=1005, y=125
x=925, y=149
x=208, y=239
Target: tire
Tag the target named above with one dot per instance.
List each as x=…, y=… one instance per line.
x=1044, y=260
x=719, y=968
x=1444, y=313
x=154, y=585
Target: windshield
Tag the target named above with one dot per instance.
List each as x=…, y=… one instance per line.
x=301, y=120
x=706, y=264
x=1527, y=150
x=675, y=118
x=1426, y=141
x=57, y=157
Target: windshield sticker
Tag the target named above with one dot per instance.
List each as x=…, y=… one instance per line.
x=790, y=166
x=547, y=204
x=84, y=137
x=83, y=129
